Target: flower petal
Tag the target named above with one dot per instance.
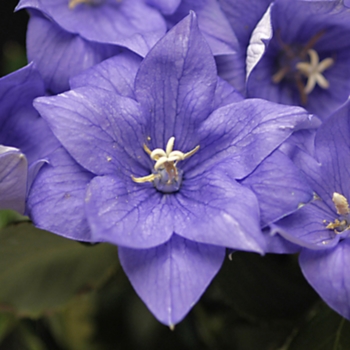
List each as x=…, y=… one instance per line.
x=212, y=23
x=60, y=55
x=245, y=133
x=327, y=273
x=116, y=74
x=13, y=179
x=212, y=208
x=20, y=124
x=100, y=129
x=130, y=23
x=171, y=278
x=307, y=226
x=279, y=187
x=176, y=82
x=56, y=199
x=128, y=214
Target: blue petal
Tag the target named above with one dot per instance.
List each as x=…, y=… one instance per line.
x=59, y=55
x=56, y=200
x=327, y=273
x=100, y=129
x=130, y=23
x=245, y=133
x=279, y=187
x=171, y=278
x=128, y=214
x=176, y=83
x=116, y=74
x=13, y=179
x=212, y=23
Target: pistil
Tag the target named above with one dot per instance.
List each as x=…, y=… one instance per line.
x=166, y=176
x=313, y=71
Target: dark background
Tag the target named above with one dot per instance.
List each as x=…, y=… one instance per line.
x=12, y=36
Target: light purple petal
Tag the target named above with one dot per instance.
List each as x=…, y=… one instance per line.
x=13, y=179
x=128, y=214
x=212, y=208
x=166, y=7
x=232, y=69
x=225, y=94
x=332, y=148
x=130, y=23
x=328, y=274
x=116, y=74
x=176, y=82
x=307, y=226
x=56, y=199
x=246, y=133
x=243, y=16
x=276, y=244
x=20, y=124
x=212, y=23
x=100, y=129
x=60, y=55
x=279, y=187
x=171, y=278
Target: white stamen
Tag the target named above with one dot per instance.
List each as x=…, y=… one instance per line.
x=165, y=160
x=313, y=71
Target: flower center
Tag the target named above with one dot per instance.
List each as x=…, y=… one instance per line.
x=293, y=65
x=342, y=223
x=165, y=177
x=73, y=3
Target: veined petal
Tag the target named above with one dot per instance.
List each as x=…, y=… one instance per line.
x=100, y=129
x=212, y=22
x=327, y=273
x=116, y=74
x=171, y=277
x=56, y=199
x=59, y=55
x=20, y=124
x=245, y=133
x=127, y=214
x=176, y=83
x=307, y=226
x=130, y=23
x=279, y=187
x=212, y=208
x=13, y=179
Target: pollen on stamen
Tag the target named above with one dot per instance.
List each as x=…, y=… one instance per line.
x=341, y=204
x=165, y=177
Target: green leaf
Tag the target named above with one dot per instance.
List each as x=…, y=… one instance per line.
x=74, y=327
x=326, y=330
x=40, y=271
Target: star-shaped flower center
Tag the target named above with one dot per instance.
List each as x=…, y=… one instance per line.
x=313, y=71
x=166, y=177
x=342, y=223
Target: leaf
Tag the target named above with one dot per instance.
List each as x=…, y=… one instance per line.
x=326, y=330
x=40, y=271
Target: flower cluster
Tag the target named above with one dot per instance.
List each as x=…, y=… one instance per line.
x=177, y=130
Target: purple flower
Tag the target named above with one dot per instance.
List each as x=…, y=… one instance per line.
x=298, y=55
x=322, y=226
x=155, y=154
x=25, y=139
x=65, y=37
x=130, y=24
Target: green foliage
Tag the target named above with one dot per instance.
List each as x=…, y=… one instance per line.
x=40, y=271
